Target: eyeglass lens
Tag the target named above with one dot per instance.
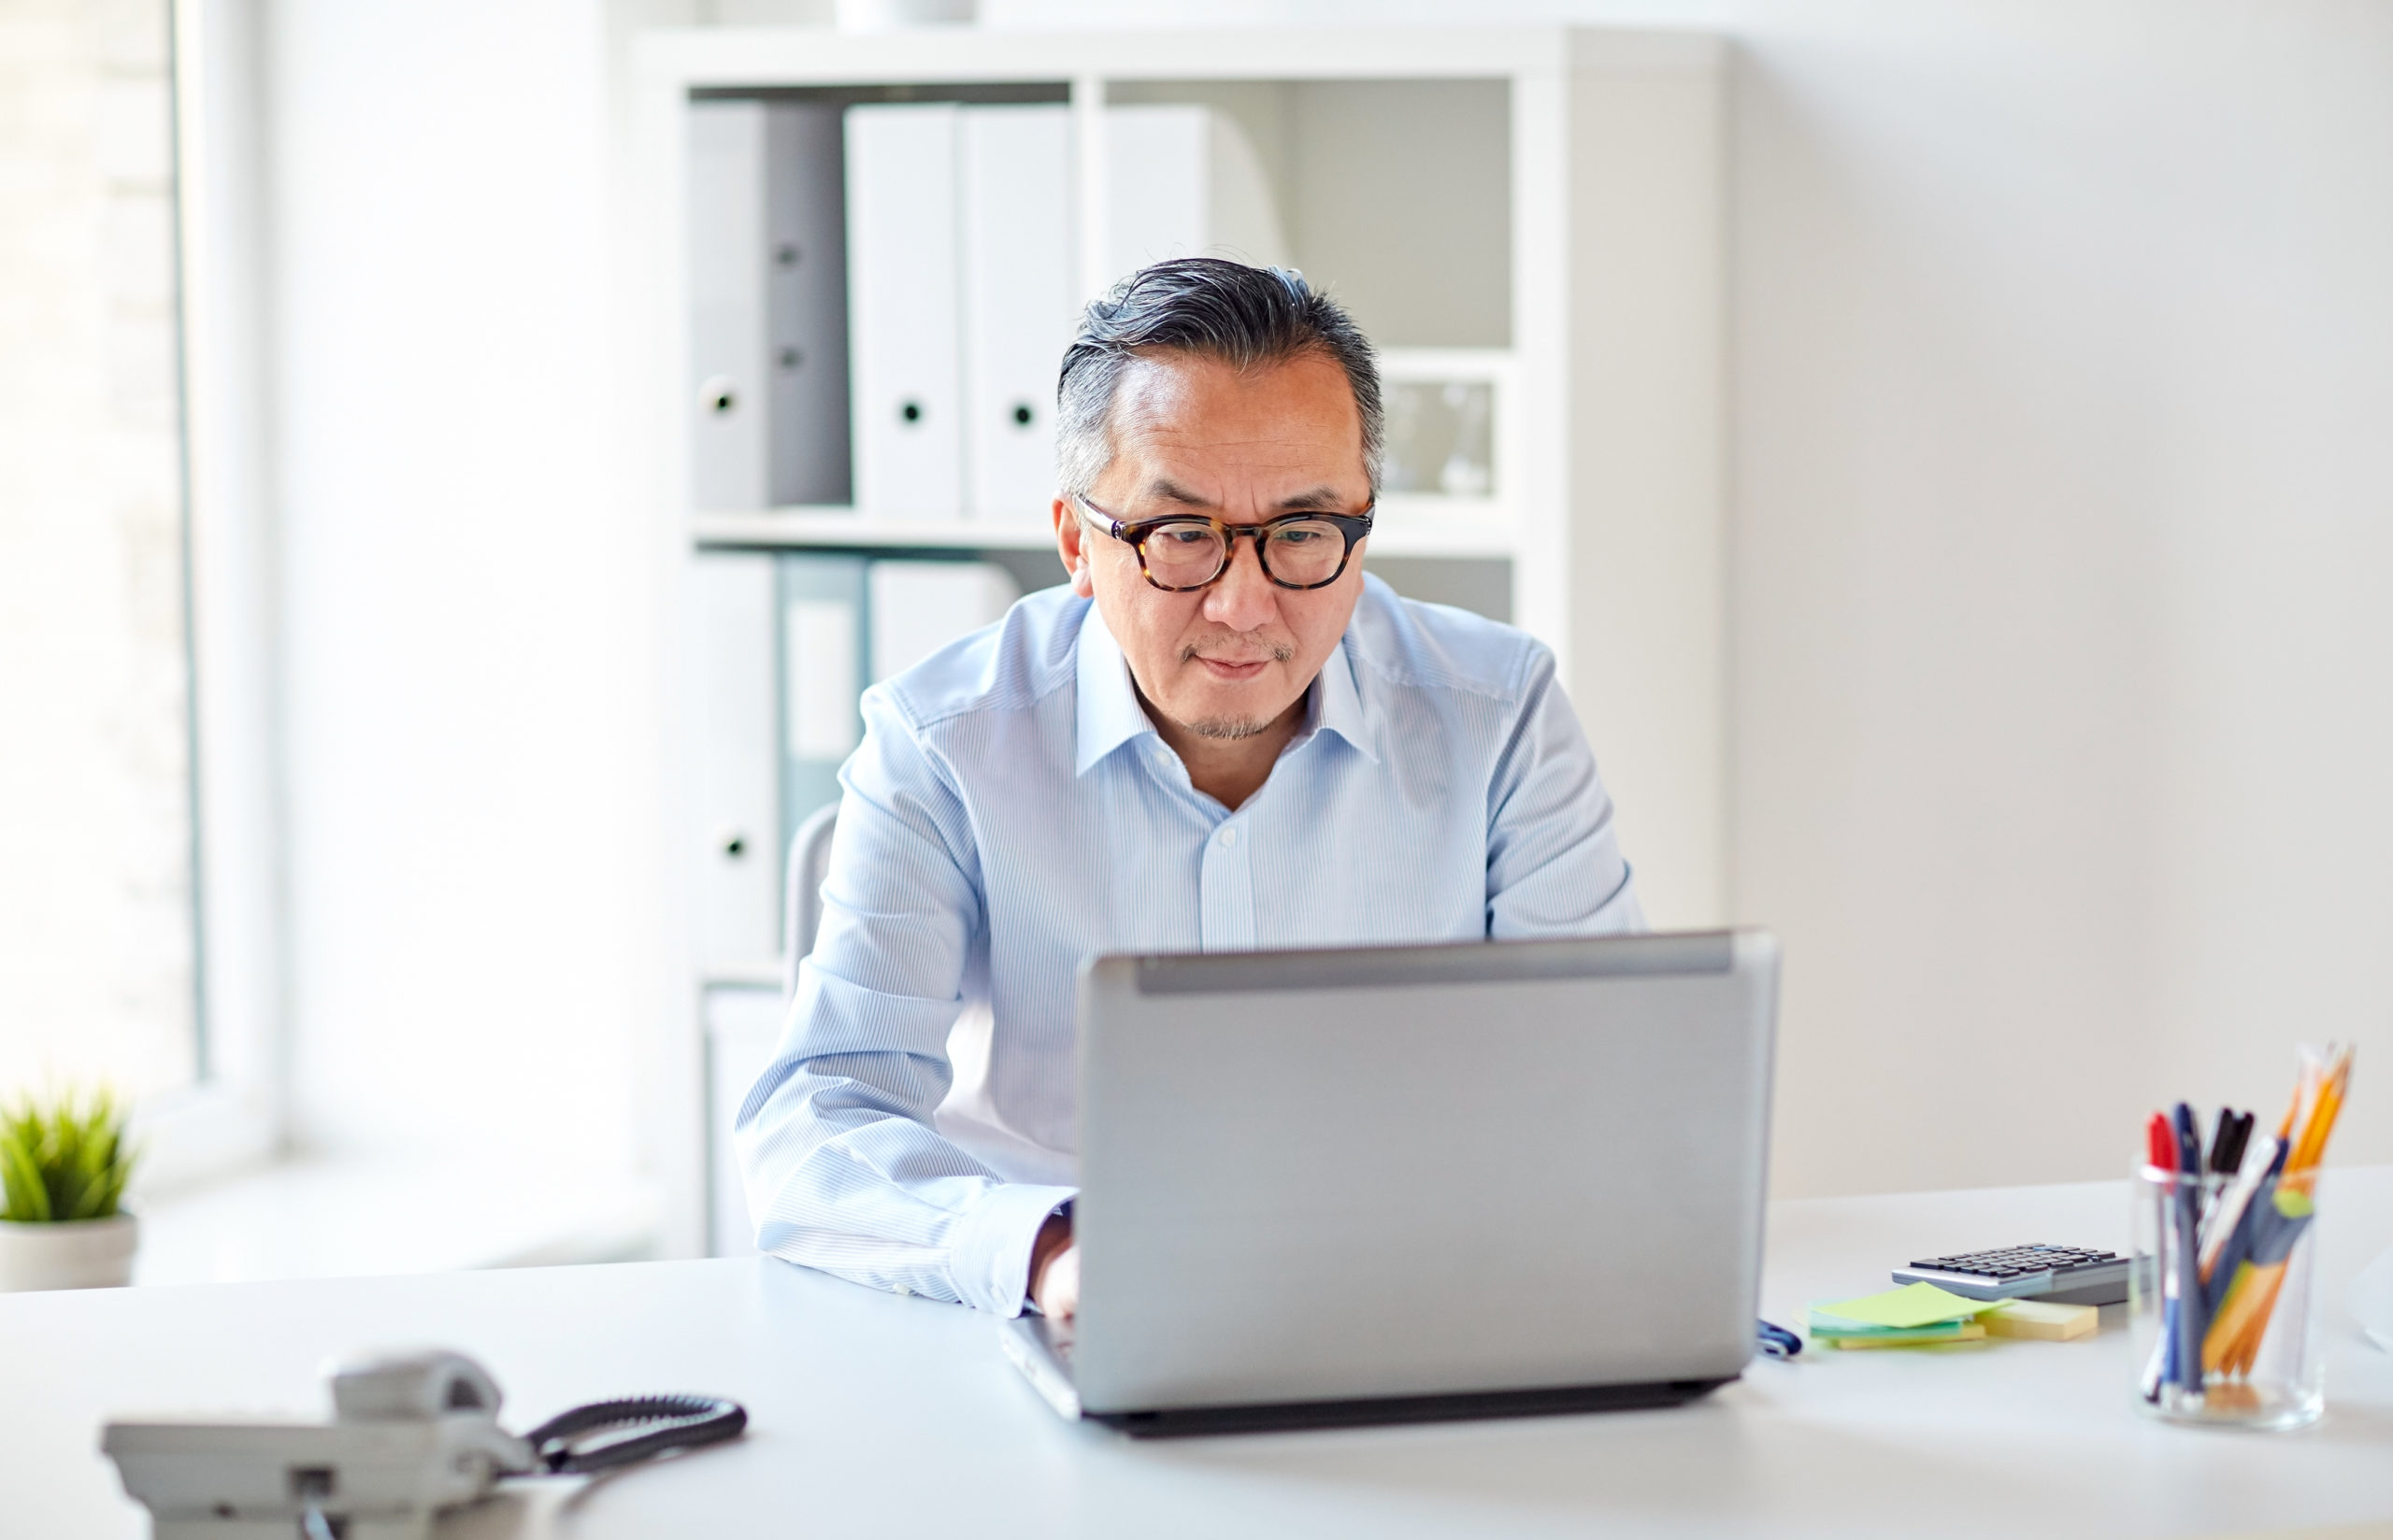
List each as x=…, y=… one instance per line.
x=1302, y=553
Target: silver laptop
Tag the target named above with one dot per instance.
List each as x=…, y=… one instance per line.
x=1402, y=1183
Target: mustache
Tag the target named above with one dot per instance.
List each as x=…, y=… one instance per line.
x=1277, y=652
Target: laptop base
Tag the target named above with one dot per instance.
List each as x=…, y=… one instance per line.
x=1283, y=1416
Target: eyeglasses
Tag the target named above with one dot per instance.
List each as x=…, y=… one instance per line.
x=1183, y=553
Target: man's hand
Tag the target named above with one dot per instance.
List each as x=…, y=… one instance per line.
x=1055, y=1269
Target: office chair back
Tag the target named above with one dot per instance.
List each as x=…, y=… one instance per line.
x=809, y=862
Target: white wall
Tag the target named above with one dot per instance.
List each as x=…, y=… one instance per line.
x=460, y=650
x=2066, y=356
x=2063, y=363
x=2063, y=344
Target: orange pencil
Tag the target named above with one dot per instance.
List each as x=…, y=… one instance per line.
x=2234, y=1341
x=2243, y=1342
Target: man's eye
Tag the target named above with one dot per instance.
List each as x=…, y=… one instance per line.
x=1297, y=536
x=1184, y=535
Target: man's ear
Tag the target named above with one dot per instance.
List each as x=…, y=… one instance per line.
x=1071, y=544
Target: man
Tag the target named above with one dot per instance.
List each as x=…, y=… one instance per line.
x=1221, y=736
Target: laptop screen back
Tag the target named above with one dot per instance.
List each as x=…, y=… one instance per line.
x=1394, y=1172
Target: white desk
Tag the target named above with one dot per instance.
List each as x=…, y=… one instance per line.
x=874, y=1414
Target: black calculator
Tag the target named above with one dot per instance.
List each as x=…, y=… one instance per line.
x=2057, y=1274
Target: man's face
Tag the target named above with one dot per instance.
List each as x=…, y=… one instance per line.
x=1194, y=435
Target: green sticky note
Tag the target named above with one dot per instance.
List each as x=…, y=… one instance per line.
x=1826, y=1325
x=1914, y=1305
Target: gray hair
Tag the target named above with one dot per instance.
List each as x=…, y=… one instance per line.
x=1210, y=309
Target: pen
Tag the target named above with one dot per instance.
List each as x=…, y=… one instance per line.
x=2221, y=1134
x=2161, y=1157
x=2188, y=1336
x=2222, y=1131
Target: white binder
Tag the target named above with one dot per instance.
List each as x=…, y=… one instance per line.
x=728, y=420
x=737, y=761
x=1183, y=181
x=743, y=1026
x=904, y=332
x=823, y=640
x=1020, y=301
x=768, y=368
x=806, y=303
x=919, y=606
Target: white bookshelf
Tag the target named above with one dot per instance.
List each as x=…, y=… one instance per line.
x=1406, y=526
x=1548, y=198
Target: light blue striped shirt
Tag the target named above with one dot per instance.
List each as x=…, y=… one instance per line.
x=1012, y=811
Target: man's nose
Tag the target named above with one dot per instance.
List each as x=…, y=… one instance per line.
x=1242, y=598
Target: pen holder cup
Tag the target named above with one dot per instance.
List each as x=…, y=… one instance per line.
x=2233, y=1350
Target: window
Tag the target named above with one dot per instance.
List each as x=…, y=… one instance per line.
x=98, y=968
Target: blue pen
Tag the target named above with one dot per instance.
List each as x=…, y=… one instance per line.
x=2186, y=1364
x=1775, y=1340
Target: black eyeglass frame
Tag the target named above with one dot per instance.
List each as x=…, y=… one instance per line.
x=1354, y=526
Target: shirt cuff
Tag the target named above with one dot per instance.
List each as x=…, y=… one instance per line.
x=990, y=1255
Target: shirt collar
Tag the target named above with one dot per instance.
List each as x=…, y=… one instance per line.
x=1109, y=715
x=1337, y=706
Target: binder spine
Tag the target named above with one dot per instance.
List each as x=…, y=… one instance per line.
x=737, y=766
x=1019, y=242
x=823, y=623
x=726, y=397
x=903, y=301
x=806, y=290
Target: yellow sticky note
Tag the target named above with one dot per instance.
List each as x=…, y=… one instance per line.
x=1915, y=1304
x=2035, y=1318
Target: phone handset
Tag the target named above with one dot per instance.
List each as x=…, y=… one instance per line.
x=414, y=1434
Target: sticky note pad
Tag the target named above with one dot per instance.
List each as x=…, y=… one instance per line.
x=1922, y=1338
x=2035, y=1318
x=1916, y=1304
x=1826, y=1327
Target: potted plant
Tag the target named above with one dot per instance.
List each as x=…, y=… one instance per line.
x=63, y=1170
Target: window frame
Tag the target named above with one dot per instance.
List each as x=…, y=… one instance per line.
x=235, y=1114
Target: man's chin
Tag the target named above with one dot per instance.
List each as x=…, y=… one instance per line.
x=1228, y=729
x=1228, y=716
x=1225, y=712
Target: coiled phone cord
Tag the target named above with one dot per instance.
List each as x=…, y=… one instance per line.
x=631, y=1430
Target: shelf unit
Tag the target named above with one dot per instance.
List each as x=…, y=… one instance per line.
x=1550, y=194
x=1407, y=527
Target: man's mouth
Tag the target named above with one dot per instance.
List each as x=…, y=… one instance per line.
x=1234, y=669
x=1230, y=669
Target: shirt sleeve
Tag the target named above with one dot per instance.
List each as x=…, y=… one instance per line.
x=1554, y=860
x=844, y=1170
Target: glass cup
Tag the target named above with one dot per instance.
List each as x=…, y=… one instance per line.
x=2238, y=1351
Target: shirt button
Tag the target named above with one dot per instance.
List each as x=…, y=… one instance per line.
x=901, y=1289
x=1229, y=837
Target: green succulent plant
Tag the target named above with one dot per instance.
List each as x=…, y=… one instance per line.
x=65, y=1160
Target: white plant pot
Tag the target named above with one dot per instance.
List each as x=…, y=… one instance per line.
x=78, y=1254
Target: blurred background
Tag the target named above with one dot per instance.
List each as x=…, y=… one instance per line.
x=354, y=693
